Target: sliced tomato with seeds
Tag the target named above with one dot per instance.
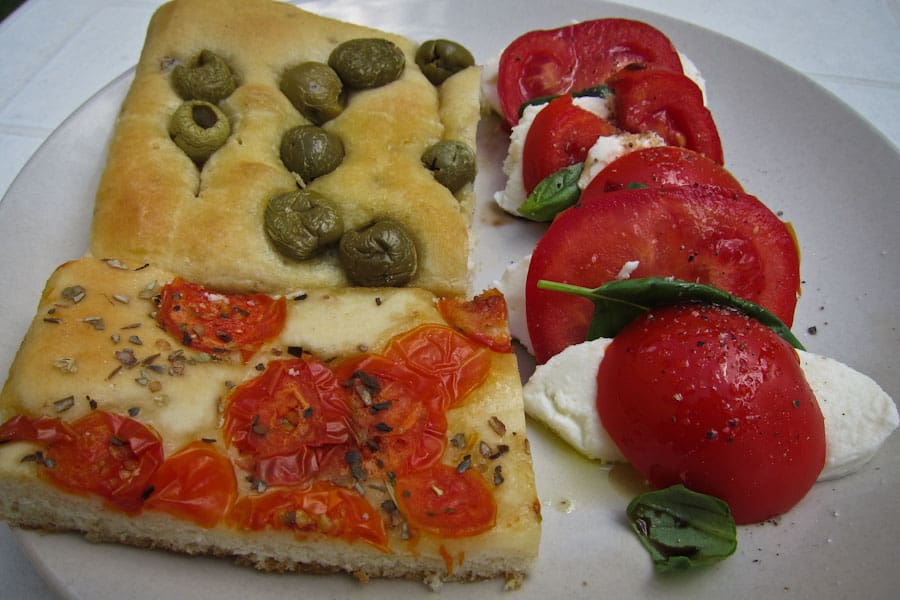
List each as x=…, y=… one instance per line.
x=458, y=364
x=320, y=507
x=701, y=234
x=575, y=57
x=292, y=422
x=103, y=454
x=669, y=104
x=484, y=318
x=446, y=501
x=401, y=413
x=662, y=166
x=219, y=323
x=197, y=483
x=560, y=136
x=722, y=407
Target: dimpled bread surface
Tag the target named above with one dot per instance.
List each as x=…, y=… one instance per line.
x=155, y=204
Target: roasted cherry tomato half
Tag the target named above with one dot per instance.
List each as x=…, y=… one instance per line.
x=196, y=483
x=446, y=502
x=219, y=323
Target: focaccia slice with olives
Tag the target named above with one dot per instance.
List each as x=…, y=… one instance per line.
x=235, y=103
x=375, y=431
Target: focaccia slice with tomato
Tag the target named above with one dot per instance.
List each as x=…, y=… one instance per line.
x=339, y=429
x=206, y=220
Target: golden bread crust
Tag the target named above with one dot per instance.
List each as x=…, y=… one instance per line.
x=154, y=204
x=186, y=406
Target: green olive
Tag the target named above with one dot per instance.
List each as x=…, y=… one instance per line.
x=311, y=152
x=381, y=255
x=439, y=59
x=199, y=128
x=452, y=162
x=207, y=77
x=315, y=90
x=367, y=62
x=301, y=223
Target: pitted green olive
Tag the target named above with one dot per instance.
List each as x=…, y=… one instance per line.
x=367, y=62
x=301, y=223
x=208, y=77
x=382, y=255
x=452, y=162
x=199, y=128
x=439, y=59
x=315, y=90
x=311, y=152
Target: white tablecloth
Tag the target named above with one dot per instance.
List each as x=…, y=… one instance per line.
x=57, y=53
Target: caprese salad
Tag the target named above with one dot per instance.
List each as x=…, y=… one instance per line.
x=659, y=300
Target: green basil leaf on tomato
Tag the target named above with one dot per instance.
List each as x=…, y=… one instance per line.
x=553, y=194
x=682, y=529
x=617, y=303
x=703, y=234
x=597, y=91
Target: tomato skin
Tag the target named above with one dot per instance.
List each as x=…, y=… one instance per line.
x=217, y=322
x=713, y=399
x=575, y=57
x=320, y=507
x=669, y=104
x=662, y=166
x=704, y=234
x=456, y=364
x=291, y=422
x=443, y=501
x=559, y=136
x=404, y=418
x=196, y=483
x=484, y=319
x=104, y=454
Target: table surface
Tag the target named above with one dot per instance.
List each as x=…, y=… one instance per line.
x=59, y=53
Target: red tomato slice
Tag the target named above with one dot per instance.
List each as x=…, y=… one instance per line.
x=483, y=319
x=575, y=57
x=401, y=412
x=292, y=422
x=104, y=454
x=712, y=399
x=703, y=234
x=669, y=104
x=196, y=483
x=322, y=507
x=458, y=364
x=443, y=501
x=662, y=166
x=560, y=135
x=220, y=323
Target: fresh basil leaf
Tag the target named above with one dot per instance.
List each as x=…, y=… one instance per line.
x=598, y=91
x=553, y=194
x=617, y=303
x=635, y=185
x=682, y=529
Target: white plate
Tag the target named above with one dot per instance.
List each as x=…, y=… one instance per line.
x=789, y=142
